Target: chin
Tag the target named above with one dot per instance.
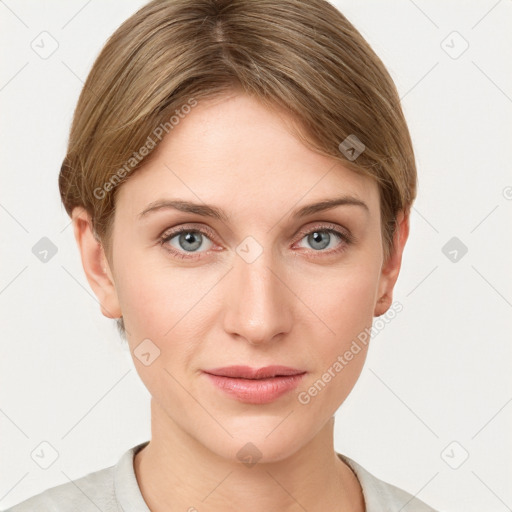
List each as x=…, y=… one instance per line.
x=268, y=440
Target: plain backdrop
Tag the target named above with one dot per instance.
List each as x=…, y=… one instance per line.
x=432, y=410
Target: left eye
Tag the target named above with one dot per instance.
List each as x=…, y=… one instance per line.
x=321, y=239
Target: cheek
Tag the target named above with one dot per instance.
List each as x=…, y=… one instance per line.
x=161, y=301
x=158, y=304
x=344, y=302
x=344, y=299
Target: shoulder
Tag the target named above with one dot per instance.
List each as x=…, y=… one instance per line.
x=110, y=489
x=381, y=496
x=92, y=492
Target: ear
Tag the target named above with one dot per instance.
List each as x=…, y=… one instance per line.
x=391, y=267
x=95, y=263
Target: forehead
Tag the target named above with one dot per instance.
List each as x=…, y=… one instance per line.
x=236, y=152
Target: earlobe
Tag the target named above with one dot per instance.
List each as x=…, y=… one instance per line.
x=391, y=267
x=95, y=263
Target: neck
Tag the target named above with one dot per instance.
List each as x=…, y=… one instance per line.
x=176, y=472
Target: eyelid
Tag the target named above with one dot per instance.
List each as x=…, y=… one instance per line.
x=205, y=230
x=212, y=235
x=344, y=233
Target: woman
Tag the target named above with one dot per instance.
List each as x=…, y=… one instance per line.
x=240, y=177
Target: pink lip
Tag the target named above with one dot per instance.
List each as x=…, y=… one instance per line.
x=246, y=372
x=256, y=386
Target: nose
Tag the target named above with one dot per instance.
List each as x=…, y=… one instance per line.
x=258, y=305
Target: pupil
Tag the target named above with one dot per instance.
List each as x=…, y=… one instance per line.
x=317, y=239
x=191, y=238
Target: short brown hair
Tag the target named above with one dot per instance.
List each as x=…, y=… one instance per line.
x=301, y=55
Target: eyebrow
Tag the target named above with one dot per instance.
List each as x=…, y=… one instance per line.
x=207, y=210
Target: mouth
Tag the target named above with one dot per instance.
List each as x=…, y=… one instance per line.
x=255, y=386
x=246, y=372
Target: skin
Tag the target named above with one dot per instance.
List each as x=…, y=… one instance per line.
x=298, y=304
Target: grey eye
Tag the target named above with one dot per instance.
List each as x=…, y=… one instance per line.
x=189, y=241
x=321, y=239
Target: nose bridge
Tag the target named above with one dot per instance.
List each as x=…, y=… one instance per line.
x=257, y=305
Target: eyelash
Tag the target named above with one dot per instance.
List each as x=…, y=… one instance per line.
x=346, y=239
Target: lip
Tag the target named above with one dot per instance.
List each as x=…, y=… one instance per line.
x=255, y=385
x=246, y=372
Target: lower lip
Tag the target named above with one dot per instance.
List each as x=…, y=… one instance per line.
x=256, y=391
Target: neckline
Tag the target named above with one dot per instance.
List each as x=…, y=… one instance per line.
x=129, y=496
x=126, y=488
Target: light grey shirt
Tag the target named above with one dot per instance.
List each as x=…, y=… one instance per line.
x=115, y=489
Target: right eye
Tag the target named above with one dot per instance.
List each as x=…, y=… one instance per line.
x=184, y=242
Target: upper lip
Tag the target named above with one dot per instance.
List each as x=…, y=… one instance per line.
x=246, y=372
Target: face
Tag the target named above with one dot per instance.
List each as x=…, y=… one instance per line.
x=256, y=284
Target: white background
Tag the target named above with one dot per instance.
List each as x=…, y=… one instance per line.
x=440, y=372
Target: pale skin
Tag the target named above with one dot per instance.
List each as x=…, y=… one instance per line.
x=298, y=304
